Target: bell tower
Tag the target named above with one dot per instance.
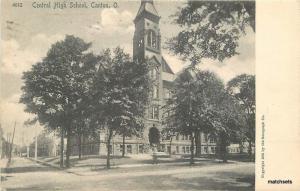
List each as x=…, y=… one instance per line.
x=147, y=39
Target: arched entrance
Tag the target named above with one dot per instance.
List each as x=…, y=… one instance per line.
x=154, y=136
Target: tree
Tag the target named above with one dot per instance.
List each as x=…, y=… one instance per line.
x=242, y=88
x=211, y=29
x=227, y=123
x=52, y=87
x=45, y=145
x=168, y=133
x=121, y=93
x=194, y=103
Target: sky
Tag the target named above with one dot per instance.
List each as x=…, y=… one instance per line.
x=27, y=33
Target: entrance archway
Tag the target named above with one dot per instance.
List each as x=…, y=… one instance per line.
x=154, y=136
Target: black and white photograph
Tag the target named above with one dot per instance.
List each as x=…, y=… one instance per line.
x=128, y=95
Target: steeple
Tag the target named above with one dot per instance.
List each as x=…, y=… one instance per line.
x=147, y=10
x=146, y=40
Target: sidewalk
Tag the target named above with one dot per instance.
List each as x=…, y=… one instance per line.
x=91, y=165
x=3, y=163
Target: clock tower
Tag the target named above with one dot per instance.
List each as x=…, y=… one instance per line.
x=147, y=47
x=147, y=40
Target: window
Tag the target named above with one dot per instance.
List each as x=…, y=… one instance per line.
x=212, y=140
x=168, y=113
x=154, y=43
x=168, y=137
x=169, y=149
x=154, y=112
x=153, y=39
x=213, y=149
x=167, y=93
x=155, y=91
x=205, y=138
x=154, y=74
x=140, y=43
x=185, y=137
x=205, y=149
x=121, y=148
x=149, y=38
x=188, y=149
x=177, y=149
x=177, y=137
x=183, y=149
x=141, y=148
x=129, y=149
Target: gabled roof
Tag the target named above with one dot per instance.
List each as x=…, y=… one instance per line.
x=147, y=6
x=166, y=67
x=154, y=59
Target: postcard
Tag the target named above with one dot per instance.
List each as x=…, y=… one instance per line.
x=149, y=95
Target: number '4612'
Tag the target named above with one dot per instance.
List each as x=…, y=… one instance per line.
x=17, y=5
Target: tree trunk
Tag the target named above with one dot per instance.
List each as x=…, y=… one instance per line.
x=68, y=152
x=241, y=146
x=99, y=142
x=171, y=146
x=198, y=143
x=123, y=145
x=79, y=146
x=250, y=149
x=192, y=150
x=223, y=148
x=108, y=149
x=61, y=163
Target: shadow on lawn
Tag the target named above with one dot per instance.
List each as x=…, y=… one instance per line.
x=150, y=165
x=219, y=181
x=75, y=160
x=28, y=169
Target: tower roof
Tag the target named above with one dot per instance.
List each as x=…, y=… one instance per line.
x=147, y=8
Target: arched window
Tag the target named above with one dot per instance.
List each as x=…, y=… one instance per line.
x=152, y=39
x=155, y=91
x=149, y=40
x=154, y=74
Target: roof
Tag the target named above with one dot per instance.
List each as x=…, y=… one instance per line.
x=147, y=6
x=166, y=67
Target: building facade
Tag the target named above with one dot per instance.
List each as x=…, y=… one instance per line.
x=147, y=47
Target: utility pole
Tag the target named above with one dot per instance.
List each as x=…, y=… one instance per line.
x=35, y=149
x=28, y=151
x=99, y=142
x=61, y=147
x=12, y=142
x=7, y=145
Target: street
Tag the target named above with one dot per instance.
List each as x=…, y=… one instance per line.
x=29, y=176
